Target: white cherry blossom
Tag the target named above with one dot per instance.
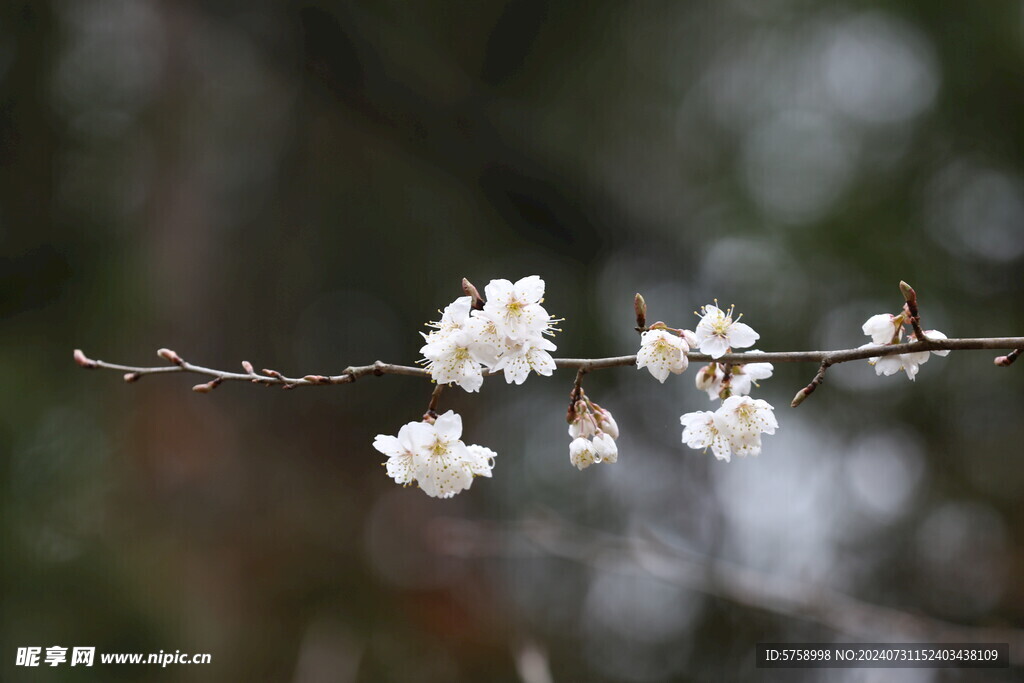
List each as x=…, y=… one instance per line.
x=523, y=356
x=662, y=352
x=734, y=429
x=583, y=453
x=443, y=469
x=702, y=430
x=745, y=377
x=910, y=363
x=717, y=332
x=517, y=306
x=456, y=357
x=745, y=419
x=401, y=450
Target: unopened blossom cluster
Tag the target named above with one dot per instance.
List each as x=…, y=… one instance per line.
x=593, y=431
x=886, y=329
x=738, y=423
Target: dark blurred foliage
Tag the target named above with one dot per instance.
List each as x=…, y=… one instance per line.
x=303, y=184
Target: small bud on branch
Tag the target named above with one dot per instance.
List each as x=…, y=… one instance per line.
x=470, y=290
x=170, y=356
x=1007, y=360
x=84, y=361
x=640, y=307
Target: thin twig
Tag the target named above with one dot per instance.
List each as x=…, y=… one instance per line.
x=809, y=389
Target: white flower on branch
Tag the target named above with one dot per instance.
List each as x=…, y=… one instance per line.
x=717, y=332
x=433, y=456
x=886, y=329
x=735, y=428
x=524, y=356
x=745, y=419
x=662, y=352
x=401, y=450
x=593, y=431
x=508, y=335
x=702, y=430
x=745, y=377
x=517, y=307
x=586, y=452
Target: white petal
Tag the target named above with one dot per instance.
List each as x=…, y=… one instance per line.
x=741, y=335
x=448, y=426
x=880, y=328
x=530, y=289
x=714, y=347
x=481, y=460
x=388, y=445
x=888, y=365
x=935, y=334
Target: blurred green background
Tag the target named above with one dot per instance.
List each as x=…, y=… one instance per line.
x=303, y=184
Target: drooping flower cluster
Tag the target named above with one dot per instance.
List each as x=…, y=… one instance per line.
x=593, y=431
x=507, y=333
x=886, y=329
x=736, y=427
x=434, y=457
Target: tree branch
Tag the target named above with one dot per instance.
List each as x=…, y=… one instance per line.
x=352, y=373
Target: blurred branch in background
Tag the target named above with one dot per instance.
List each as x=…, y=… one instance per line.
x=548, y=534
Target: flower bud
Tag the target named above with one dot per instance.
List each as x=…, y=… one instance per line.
x=909, y=295
x=640, y=307
x=84, y=360
x=706, y=377
x=470, y=290
x=606, y=423
x=171, y=356
x=583, y=426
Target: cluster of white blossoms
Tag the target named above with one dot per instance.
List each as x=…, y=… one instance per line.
x=434, y=457
x=593, y=431
x=506, y=334
x=505, y=331
x=886, y=329
x=737, y=425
